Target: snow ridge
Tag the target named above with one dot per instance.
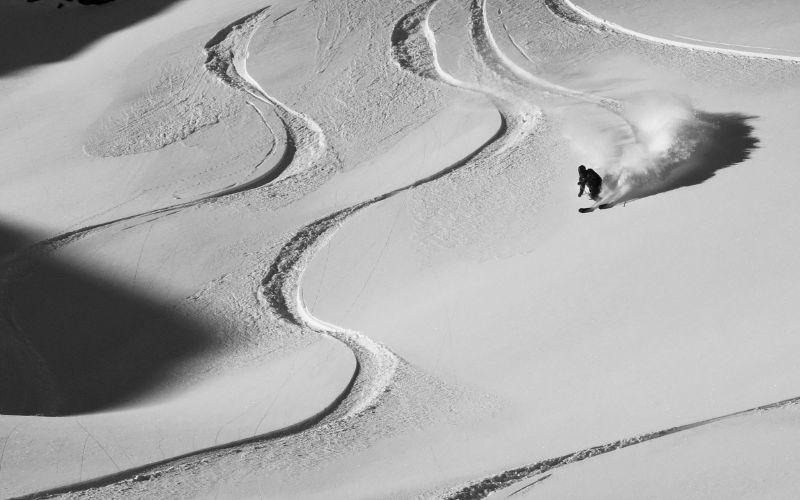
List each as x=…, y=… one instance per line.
x=566, y=9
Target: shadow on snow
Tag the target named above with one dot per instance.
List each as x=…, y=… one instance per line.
x=726, y=139
x=39, y=33
x=74, y=341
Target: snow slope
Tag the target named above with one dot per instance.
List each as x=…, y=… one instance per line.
x=331, y=250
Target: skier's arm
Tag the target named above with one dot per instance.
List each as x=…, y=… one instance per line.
x=582, y=184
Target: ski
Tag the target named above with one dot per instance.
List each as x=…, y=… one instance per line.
x=601, y=206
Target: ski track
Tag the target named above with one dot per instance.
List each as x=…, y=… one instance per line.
x=414, y=50
x=503, y=65
x=484, y=487
x=567, y=10
x=732, y=44
x=226, y=58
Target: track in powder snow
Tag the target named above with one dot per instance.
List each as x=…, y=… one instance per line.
x=567, y=10
x=414, y=49
x=227, y=59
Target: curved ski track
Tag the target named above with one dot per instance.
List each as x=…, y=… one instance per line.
x=567, y=10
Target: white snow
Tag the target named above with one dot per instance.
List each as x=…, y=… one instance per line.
x=317, y=249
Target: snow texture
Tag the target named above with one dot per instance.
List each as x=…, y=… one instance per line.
x=329, y=250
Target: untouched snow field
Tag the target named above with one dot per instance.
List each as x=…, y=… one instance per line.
x=318, y=249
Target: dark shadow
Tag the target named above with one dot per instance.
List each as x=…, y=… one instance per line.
x=73, y=341
x=38, y=33
x=726, y=139
x=13, y=239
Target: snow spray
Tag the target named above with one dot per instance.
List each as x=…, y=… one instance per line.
x=664, y=130
x=637, y=148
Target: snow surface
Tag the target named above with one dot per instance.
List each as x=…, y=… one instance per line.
x=316, y=249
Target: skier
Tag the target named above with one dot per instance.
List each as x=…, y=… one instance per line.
x=591, y=179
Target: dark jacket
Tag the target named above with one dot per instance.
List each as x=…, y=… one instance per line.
x=588, y=178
